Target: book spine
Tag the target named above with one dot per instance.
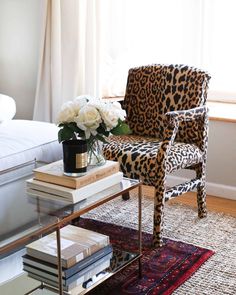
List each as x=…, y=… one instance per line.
x=78, y=277
x=67, y=263
x=66, y=273
x=91, y=270
x=53, y=259
x=37, y=263
x=96, y=187
x=41, y=273
x=73, y=260
x=100, y=174
x=78, y=182
x=87, y=261
x=53, y=192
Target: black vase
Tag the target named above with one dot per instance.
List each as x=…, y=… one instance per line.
x=75, y=158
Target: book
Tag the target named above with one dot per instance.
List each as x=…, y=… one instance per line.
x=75, y=281
x=53, y=173
x=54, y=191
x=66, y=272
x=76, y=244
x=81, y=276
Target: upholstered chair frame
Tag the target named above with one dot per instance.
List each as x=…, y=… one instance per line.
x=167, y=113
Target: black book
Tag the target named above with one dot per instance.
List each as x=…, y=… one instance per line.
x=39, y=264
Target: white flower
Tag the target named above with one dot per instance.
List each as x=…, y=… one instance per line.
x=88, y=120
x=118, y=110
x=79, y=102
x=111, y=113
x=109, y=116
x=96, y=103
x=90, y=117
x=70, y=109
x=67, y=113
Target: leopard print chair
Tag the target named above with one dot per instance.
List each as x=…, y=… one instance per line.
x=167, y=113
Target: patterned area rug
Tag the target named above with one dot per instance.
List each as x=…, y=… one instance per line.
x=163, y=269
x=216, y=232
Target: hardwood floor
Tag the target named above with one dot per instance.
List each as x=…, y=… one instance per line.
x=213, y=203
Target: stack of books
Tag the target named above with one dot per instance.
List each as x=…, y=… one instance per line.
x=85, y=256
x=49, y=182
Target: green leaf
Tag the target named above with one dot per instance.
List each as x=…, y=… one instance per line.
x=69, y=131
x=121, y=129
x=73, y=126
x=65, y=133
x=102, y=130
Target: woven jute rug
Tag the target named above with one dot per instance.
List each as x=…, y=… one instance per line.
x=217, y=232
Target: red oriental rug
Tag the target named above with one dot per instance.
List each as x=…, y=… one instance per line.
x=163, y=269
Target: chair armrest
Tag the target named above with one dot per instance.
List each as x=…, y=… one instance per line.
x=199, y=135
x=186, y=115
x=196, y=121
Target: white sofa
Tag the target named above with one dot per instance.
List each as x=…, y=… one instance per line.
x=21, y=141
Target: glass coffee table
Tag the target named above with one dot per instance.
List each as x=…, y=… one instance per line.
x=24, y=218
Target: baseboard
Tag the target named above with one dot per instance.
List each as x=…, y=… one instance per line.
x=213, y=189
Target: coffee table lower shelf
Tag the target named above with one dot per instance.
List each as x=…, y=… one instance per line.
x=60, y=217
x=119, y=260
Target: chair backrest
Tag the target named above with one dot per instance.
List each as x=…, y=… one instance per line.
x=153, y=90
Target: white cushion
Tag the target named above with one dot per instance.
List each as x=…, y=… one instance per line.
x=7, y=108
x=25, y=140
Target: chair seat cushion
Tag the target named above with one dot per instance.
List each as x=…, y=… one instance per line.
x=137, y=156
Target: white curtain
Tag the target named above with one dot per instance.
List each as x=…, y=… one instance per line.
x=69, y=55
x=200, y=33
x=48, y=98
x=87, y=46
x=219, y=47
x=140, y=32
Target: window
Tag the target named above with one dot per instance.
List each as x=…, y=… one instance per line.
x=200, y=33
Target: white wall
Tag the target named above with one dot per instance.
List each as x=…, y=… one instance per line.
x=221, y=169
x=19, y=44
x=222, y=153
x=221, y=162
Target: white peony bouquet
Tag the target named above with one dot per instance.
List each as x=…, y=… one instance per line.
x=91, y=119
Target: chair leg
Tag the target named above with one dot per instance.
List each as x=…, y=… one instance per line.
x=201, y=191
x=158, y=219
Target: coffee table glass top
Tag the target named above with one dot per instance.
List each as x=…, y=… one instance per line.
x=18, y=216
x=23, y=216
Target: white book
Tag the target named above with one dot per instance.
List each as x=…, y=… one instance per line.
x=54, y=173
x=55, y=192
x=76, y=244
